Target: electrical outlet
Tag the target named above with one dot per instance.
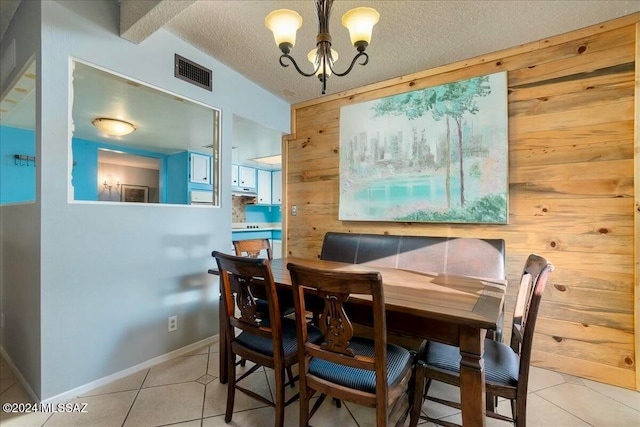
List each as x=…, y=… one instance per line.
x=294, y=210
x=173, y=323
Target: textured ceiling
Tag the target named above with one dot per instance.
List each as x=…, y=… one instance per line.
x=411, y=36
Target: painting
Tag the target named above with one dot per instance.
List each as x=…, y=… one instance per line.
x=134, y=193
x=438, y=154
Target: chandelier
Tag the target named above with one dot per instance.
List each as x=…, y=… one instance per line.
x=284, y=24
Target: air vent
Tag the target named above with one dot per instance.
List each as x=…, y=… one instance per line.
x=191, y=72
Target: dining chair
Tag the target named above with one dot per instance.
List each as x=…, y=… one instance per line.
x=369, y=372
x=506, y=366
x=252, y=248
x=269, y=342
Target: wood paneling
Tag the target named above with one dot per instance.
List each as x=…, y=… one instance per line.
x=636, y=210
x=573, y=180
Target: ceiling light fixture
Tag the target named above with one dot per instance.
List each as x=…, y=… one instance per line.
x=284, y=24
x=269, y=160
x=113, y=127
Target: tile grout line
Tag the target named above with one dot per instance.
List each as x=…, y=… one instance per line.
x=563, y=409
x=135, y=398
x=353, y=417
x=611, y=397
x=204, y=396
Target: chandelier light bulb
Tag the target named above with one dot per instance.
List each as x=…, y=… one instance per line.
x=284, y=24
x=317, y=61
x=360, y=22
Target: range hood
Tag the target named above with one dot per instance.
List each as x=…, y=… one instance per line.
x=243, y=192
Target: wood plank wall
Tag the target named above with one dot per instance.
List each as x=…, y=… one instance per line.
x=571, y=171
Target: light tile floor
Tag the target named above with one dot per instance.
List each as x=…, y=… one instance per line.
x=185, y=392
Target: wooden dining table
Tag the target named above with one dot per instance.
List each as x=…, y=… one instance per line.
x=449, y=308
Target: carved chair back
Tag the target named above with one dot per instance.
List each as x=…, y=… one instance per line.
x=335, y=288
x=253, y=248
x=243, y=280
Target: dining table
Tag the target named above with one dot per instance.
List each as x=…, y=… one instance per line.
x=449, y=308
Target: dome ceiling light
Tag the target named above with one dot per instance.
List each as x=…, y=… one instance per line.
x=113, y=127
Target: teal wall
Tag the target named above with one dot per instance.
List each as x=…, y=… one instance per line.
x=85, y=168
x=262, y=213
x=17, y=180
x=177, y=165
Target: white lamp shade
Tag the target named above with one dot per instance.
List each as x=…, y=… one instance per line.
x=313, y=58
x=360, y=22
x=284, y=24
x=113, y=127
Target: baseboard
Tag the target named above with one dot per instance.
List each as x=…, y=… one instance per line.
x=27, y=387
x=73, y=393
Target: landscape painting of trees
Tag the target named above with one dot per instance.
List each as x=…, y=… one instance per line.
x=432, y=155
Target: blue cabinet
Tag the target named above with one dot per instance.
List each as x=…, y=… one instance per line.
x=181, y=179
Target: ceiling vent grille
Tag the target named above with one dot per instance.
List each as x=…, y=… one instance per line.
x=193, y=73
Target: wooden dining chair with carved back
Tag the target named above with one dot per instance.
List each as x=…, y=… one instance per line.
x=253, y=248
x=258, y=248
x=506, y=366
x=270, y=342
x=365, y=371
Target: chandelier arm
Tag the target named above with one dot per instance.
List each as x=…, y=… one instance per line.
x=295, y=64
x=353, y=62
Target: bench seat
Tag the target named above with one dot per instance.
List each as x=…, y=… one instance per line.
x=453, y=255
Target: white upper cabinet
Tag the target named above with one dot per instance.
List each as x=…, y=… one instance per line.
x=200, y=168
x=234, y=176
x=276, y=187
x=247, y=177
x=264, y=187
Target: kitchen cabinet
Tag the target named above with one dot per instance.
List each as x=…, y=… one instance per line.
x=187, y=171
x=276, y=248
x=200, y=168
x=264, y=187
x=247, y=177
x=276, y=187
x=234, y=176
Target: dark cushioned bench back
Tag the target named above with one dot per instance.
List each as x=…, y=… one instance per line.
x=468, y=256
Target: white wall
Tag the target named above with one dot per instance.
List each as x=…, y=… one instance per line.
x=111, y=275
x=20, y=230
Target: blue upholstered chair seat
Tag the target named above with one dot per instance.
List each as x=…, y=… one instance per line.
x=501, y=363
x=289, y=338
x=361, y=379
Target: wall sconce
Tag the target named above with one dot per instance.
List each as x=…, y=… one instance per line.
x=113, y=127
x=108, y=183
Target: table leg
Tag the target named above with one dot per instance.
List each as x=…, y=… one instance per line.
x=472, y=391
x=224, y=375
